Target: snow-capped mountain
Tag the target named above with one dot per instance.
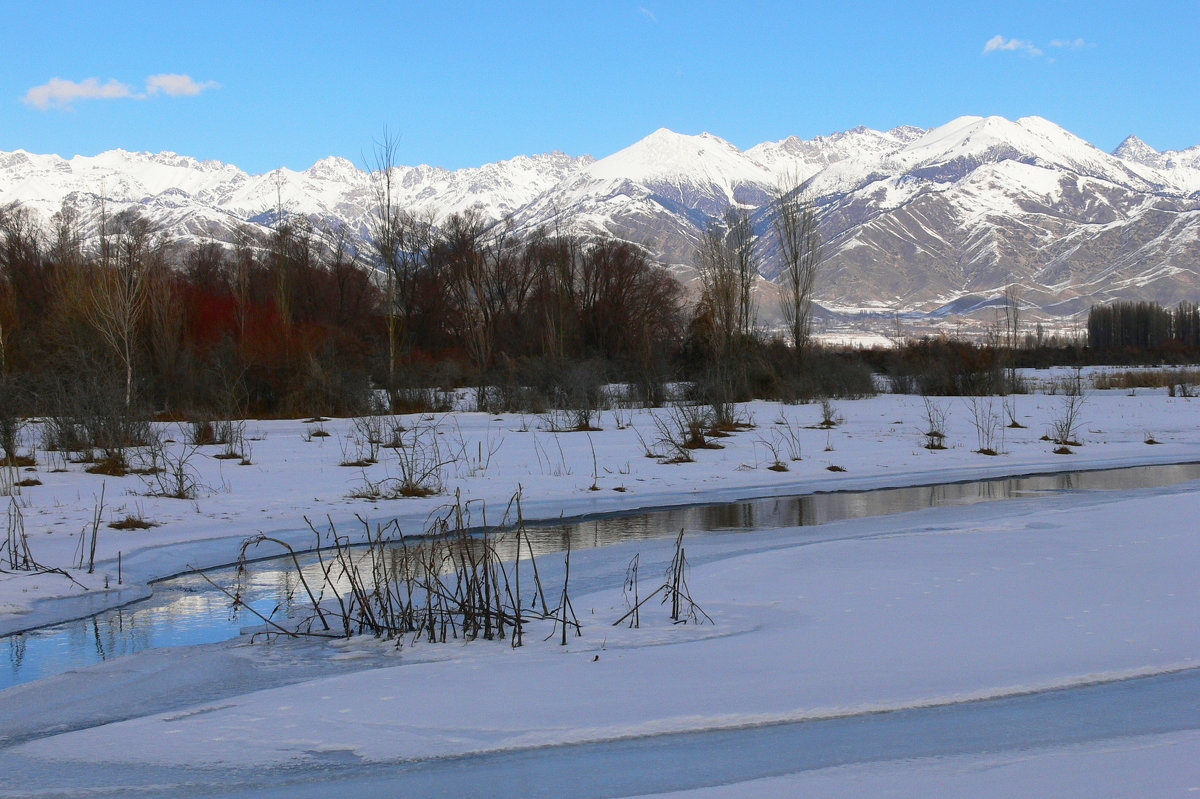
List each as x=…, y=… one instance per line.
x=202, y=199
x=934, y=220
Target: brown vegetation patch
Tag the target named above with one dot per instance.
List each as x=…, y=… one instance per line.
x=19, y=461
x=203, y=434
x=132, y=523
x=700, y=442
x=415, y=491
x=112, y=466
x=1146, y=378
x=359, y=463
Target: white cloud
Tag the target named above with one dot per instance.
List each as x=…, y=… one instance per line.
x=178, y=85
x=60, y=93
x=648, y=13
x=1000, y=43
x=1072, y=44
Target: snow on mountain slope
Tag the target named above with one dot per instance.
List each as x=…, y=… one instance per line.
x=668, y=156
x=220, y=194
x=949, y=151
x=1181, y=167
x=1134, y=149
x=911, y=218
x=802, y=159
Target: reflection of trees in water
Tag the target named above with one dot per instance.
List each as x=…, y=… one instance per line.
x=186, y=609
x=121, y=633
x=16, y=651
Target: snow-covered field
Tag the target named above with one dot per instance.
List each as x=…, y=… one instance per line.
x=970, y=609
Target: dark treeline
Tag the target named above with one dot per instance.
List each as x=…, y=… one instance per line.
x=270, y=324
x=296, y=320
x=302, y=320
x=498, y=310
x=1143, y=326
x=307, y=319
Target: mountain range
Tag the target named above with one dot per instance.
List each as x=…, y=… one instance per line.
x=934, y=221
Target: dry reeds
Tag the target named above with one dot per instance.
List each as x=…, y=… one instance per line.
x=449, y=583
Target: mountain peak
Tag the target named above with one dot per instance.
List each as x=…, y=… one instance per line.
x=1134, y=149
x=667, y=154
x=906, y=133
x=334, y=167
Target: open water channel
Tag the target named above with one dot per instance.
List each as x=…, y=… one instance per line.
x=188, y=609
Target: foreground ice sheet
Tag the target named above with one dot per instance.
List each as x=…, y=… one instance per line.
x=946, y=608
x=932, y=608
x=1144, y=766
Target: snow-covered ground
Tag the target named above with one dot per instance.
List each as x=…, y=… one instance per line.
x=295, y=474
x=1134, y=767
x=956, y=607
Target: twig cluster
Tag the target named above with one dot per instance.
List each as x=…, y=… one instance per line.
x=450, y=583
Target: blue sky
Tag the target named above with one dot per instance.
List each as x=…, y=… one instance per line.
x=264, y=84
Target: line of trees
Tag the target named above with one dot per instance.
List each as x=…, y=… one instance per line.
x=303, y=319
x=274, y=322
x=309, y=318
x=1143, y=326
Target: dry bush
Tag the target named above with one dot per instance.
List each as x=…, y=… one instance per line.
x=168, y=471
x=986, y=420
x=419, y=459
x=201, y=432
x=774, y=443
x=450, y=583
x=935, y=424
x=829, y=414
x=474, y=461
x=789, y=434
x=674, y=591
x=132, y=522
x=1064, y=428
x=682, y=428
x=1146, y=378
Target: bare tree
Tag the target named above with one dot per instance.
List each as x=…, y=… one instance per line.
x=293, y=247
x=743, y=247
x=241, y=269
x=472, y=257
x=166, y=330
x=559, y=257
x=386, y=236
x=1012, y=321
x=801, y=251
x=66, y=248
x=728, y=262
x=129, y=251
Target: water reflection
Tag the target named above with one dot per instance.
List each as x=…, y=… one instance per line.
x=189, y=610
